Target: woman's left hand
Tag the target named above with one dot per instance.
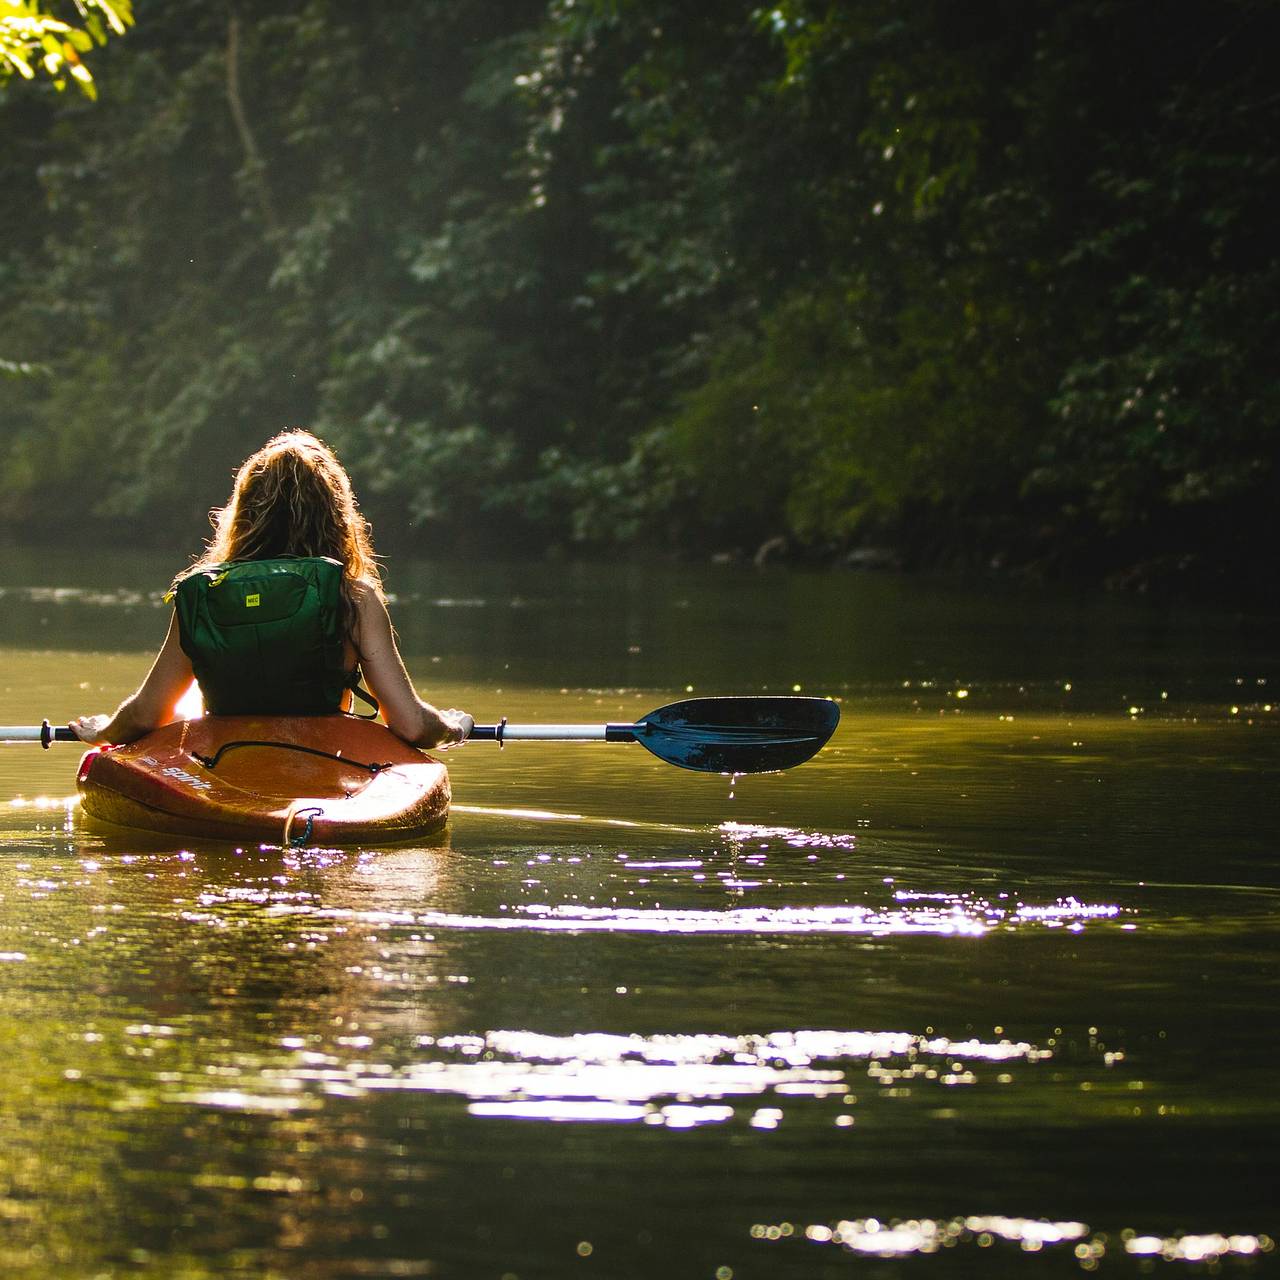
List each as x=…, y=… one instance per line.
x=461, y=725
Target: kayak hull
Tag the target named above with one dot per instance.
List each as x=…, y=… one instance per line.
x=315, y=780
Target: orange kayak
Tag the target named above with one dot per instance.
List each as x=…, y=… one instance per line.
x=322, y=780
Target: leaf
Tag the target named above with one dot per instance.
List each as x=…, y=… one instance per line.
x=118, y=16
x=16, y=59
x=80, y=73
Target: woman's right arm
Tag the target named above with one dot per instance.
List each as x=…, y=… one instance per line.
x=407, y=716
x=153, y=704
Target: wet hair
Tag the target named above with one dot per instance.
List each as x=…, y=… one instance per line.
x=294, y=498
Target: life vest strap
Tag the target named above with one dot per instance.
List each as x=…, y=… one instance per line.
x=358, y=691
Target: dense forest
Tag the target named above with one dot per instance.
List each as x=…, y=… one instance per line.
x=990, y=285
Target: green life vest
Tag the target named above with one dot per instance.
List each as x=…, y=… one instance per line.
x=265, y=637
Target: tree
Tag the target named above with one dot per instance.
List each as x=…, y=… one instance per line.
x=982, y=282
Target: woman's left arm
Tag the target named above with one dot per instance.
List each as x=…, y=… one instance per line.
x=154, y=703
x=407, y=716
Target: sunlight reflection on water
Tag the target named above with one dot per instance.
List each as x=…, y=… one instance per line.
x=597, y=1077
x=899, y=1238
x=942, y=914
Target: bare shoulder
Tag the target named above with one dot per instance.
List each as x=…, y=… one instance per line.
x=367, y=598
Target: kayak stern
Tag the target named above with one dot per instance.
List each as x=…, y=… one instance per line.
x=317, y=780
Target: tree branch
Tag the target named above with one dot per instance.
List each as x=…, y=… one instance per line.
x=254, y=165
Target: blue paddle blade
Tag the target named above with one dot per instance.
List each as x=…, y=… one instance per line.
x=738, y=735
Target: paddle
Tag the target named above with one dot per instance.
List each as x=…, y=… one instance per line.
x=710, y=735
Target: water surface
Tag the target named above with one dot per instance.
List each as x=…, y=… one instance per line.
x=986, y=988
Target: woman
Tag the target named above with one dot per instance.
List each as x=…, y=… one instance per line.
x=292, y=514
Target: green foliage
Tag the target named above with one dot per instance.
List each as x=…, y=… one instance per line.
x=813, y=428
x=1165, y=415
x=973, y=281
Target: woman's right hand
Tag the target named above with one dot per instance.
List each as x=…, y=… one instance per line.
x=91, y=729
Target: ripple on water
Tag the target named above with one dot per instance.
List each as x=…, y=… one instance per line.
x=120, y=597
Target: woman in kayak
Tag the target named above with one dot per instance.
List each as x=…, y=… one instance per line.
x=293, y=624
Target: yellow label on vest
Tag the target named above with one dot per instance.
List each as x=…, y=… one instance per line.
x=253, y=601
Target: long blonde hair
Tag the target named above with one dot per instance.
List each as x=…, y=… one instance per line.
x=294, y=498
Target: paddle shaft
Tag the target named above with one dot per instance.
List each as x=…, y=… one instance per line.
x=44, y=734
x=505, y=732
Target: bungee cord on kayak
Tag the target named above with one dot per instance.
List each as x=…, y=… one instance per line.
x=211, y=762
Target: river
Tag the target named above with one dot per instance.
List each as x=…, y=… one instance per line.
x=988, y=987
